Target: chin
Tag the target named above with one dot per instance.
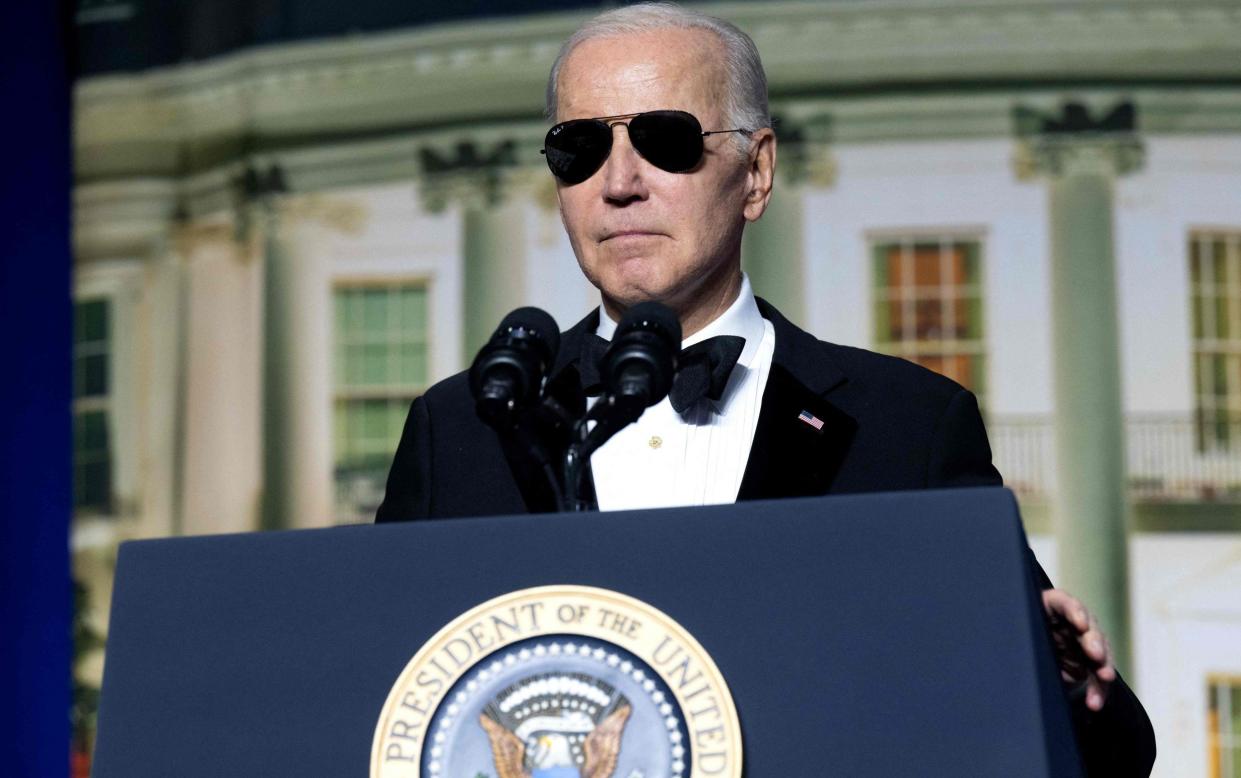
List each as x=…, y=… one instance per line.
x=635, y=282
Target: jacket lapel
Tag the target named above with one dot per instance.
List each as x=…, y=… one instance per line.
x=792, y=455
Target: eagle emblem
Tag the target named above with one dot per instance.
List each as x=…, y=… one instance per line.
x=556, y=725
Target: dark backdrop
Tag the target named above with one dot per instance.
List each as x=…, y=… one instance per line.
x=127, y=35
x=35, y=354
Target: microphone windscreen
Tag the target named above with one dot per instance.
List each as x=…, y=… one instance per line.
x=535, y=321
x=652, y=317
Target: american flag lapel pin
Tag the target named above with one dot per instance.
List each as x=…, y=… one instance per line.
x=811, y=419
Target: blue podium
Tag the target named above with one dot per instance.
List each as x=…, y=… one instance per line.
x=870, y=635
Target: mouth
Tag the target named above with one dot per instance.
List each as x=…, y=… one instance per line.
x=628, y=235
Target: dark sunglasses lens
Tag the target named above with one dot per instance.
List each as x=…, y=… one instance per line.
x=669, y=140
x=576, y=149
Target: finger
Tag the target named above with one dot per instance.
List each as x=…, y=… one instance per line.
x=1107, y=673
x=1094, y=645
x=1079, y=616
x=1096, y=693
x=1064, y=607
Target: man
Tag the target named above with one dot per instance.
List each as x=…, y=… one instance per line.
x=653, y=215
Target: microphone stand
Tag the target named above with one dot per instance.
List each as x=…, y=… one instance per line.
x=611, y=414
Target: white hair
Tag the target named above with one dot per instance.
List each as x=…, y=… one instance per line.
x=745, y=101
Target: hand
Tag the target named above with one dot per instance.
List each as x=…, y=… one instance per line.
x=1082, y=650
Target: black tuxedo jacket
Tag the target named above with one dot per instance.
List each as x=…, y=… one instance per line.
x=888, y=425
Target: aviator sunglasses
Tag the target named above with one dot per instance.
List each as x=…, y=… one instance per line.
x=669, y=140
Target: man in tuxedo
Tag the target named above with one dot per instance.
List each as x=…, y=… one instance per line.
x=663, y=151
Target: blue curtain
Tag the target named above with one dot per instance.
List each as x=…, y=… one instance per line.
x=35, y=358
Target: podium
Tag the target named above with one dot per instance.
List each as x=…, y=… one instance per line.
x=870, y=635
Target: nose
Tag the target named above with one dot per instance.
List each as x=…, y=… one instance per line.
x=623, y=171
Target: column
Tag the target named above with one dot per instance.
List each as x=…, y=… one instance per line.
x=125, y=422
x=773, y=252
x=1090, y=505
x=493, y=244
x=165, y=395
x=478, y=177
x=220, y=481
x=298, y=476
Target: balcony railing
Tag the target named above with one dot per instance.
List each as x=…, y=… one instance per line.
x=1169, y=458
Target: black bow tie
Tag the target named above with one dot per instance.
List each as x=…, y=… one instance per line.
x=702, y=369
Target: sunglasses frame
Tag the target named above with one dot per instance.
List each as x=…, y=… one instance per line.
x=625, y=118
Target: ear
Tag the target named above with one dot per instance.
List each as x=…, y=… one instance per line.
x=760, y=174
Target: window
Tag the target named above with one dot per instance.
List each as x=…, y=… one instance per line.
x=92, y=458
x=928, y=305
x=1224, y=728
x=381, y=366
x=1215, y=289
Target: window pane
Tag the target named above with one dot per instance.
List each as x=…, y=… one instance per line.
x=1235, y=704
x=969, y=318
x=895, y=268
x=374, y=365
x=374, y=421
x=375, y=311
x=90, y=348
x=929, y=315
x=1197, y=306
x=412, y=364
x=1219, y=380
x=92, y=468
x=970, y=262
x=90, y=321
x=931, y=362
x=1219, y=263
x=413, y=313
x=897, y=321
x=94, y=375
x=960, y=368
x=883, y=321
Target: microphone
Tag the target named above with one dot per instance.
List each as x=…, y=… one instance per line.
x=507, y=375
x=638, y=367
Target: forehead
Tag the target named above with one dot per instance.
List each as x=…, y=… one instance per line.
x=672, y=68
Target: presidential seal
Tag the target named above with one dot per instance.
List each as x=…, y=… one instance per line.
x=559, y=682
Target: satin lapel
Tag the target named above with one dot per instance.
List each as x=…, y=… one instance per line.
x=790, y=455
x=571, y=342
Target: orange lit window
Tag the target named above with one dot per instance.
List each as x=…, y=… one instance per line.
x=928, y=305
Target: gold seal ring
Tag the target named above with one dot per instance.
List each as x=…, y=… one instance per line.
x=687, y=694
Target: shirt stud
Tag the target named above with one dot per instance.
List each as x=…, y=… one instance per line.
x=655, y=441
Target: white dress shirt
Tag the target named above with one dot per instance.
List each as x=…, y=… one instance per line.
x=698, y=457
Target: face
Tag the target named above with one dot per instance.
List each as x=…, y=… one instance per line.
x=641, y=233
